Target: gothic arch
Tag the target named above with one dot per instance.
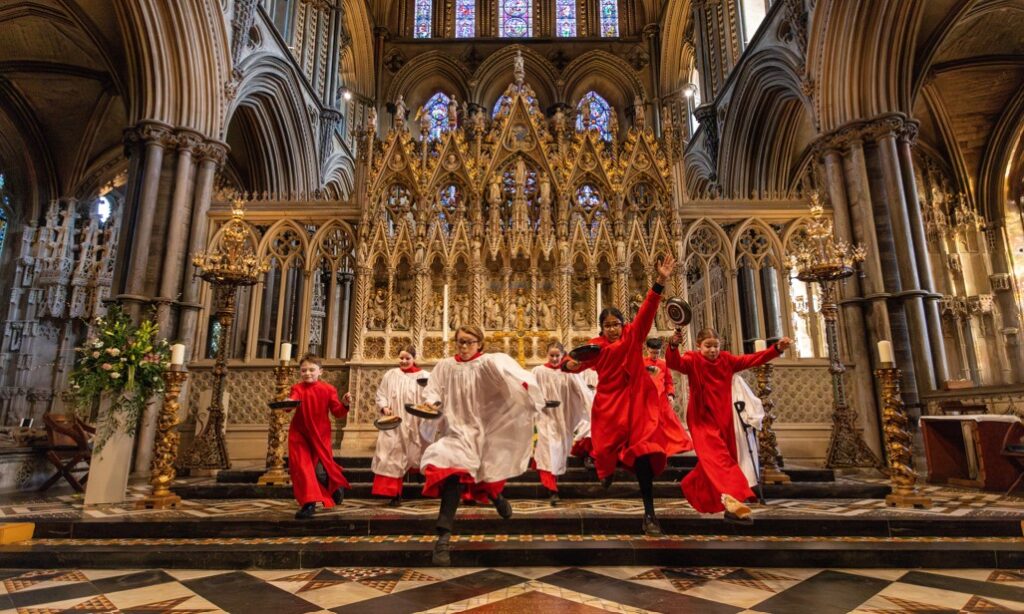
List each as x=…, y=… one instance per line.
x=677, y=53
x=426, y=74
x=357, y=62
x=492, y=77
x=759, y=158
x=609, y=75
x=270, y=130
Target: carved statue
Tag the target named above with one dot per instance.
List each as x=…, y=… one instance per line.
x=520, y=174
x=545, y=189
x=453, y=112
x=478, y=121
x=378, y=310
x=587, y=118
x=579, y=317
x=559, y=120
x=371, y=120
x=495, y=194
x=639, y=117
x=425, y=122
x=400, y=111
x=546, y=316
x=518, y=70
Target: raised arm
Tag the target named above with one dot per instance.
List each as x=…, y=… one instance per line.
x=670, y=384
x=678, y=362
x=637, y=330
x=748, y=361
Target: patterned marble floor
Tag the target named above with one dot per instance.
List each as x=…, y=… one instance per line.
x=505, y=590
x=948, y=503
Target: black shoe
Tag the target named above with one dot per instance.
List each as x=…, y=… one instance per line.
x=503, y=507
x=652, y=528
x=338, y=496
x=395, y=502
x=306, y=512
x=607, y=482
x=588, y=462
x=554, y=499
x=442, y=556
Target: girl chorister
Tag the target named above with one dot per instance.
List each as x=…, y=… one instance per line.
x=717, y=484
x=489, y=405
x=631, y=423
x=557, y=425
x=399, y=450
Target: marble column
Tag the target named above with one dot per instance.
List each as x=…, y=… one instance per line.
x=175, y=251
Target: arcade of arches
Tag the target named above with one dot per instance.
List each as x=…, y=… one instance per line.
x=515, y=164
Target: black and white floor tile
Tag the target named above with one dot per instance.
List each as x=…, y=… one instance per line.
x=522, y=589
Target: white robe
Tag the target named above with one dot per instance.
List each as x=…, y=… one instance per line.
x=488, y=415
x=583, y=428
x=753, y=415
x=556, y=425
x=399, y=450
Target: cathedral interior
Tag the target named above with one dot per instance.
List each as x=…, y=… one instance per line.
x=404, y=167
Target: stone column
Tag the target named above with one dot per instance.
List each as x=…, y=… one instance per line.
x=652, y=34
x=175, y=252
x=926, y=281
x=1002, y=286
x=136, y=235
x=346, y=313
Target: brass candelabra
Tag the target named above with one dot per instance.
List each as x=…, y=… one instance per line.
x=165, y=448
x=767, y=444
x=822, y=259
x=277, y=435
x=898, y=443
x=227, y=266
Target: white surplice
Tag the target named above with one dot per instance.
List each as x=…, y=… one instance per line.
x=753, y=415
x=583, y=428
x=400, y=449
x=557, y=425
x=489, y=406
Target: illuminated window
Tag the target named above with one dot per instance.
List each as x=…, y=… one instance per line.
x=422, y=21
x=598, y=110
x=565, y=18
x=609, y=17
x=5, y=203
x=437, y=109
x=516, y=18
x=754, y=12
x=465, y=18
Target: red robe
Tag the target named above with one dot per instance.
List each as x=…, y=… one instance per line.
x=630, y=418
x=662, y=378
x=710, y=416
x=309, y=441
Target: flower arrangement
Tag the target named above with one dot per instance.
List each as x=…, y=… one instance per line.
x=124, y=361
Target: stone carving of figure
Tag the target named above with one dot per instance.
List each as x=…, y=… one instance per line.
x=495, y=194
x=579, y=318
x=371, y=120
x=478, y=121
x=518, y=69
x=424, y=117
x=638, y=112
x=400, y=112
x=520, y=174
x=559, y=120
x=437, y=316
x=545, y=189
x=613, y=124
x=453, y=112
x=379, y=313
x=546, y=317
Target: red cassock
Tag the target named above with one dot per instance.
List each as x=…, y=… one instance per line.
x=710, y=416
x=630, y=418
x=309, y=441
x=662, y=378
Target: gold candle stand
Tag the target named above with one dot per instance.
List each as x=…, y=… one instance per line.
x=767, y=444
x=899, y=454
x=165, y=448
x=277, y=434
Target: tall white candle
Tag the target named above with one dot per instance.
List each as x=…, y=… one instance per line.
x=598, y=297
x=444, y=322
x=286, y=352
x=178, y=354
x=760, y=345
x=885, y=351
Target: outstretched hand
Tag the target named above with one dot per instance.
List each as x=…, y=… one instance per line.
x=346, y=399
x=665, y=267
x=677, y=338
x=784, y=344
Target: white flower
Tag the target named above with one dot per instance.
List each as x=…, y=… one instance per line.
x=95, y=354
x=115, y=375
x=114, y=351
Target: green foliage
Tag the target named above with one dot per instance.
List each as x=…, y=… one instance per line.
x=124, y=361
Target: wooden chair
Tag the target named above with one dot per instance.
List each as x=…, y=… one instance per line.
x=68, y=448
x=1013, y=451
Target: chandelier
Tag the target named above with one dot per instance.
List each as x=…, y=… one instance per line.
x=820, y=257
x=232, y=262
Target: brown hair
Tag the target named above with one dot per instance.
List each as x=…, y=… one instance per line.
x=410, y=349
x=474, y=331
x=707, y=333
x=556, y=344
x=313, y=358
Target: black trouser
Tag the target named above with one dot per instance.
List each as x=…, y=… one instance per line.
x=451, y=493
x=645, y=478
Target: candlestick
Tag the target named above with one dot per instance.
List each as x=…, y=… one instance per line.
x=767, y=443
x=598, y=299
x=178, y=354
x=286, y=352
x=760, y=345
x=165, y=446
x=885, y=352
x=277, y=433
x=896, y=435
x=444, y=323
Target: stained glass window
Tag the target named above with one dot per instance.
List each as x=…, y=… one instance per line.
x=5, y=202
x=599, y=111
x=448, y=201
x=516, y=18
x=609, y=17
x=422, y=22
x=565, y=17
x=589, y=207
x=437, y=109
x=465, y=18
